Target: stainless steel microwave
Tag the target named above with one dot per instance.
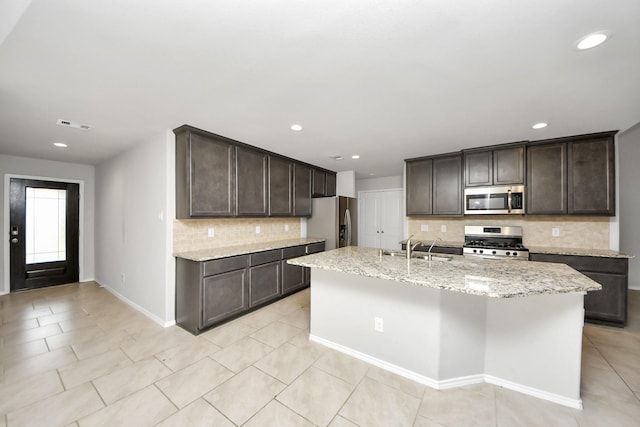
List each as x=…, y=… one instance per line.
x=494, y=200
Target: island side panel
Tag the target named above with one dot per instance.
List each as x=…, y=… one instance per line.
x=463, y=337
x=343, y=309
x=534, y=345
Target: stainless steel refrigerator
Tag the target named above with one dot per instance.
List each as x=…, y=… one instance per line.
x=335, y=219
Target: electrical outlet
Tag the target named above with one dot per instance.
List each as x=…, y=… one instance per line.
x=424, y=227
x=286, y=227
x=555, y=232
x=378, y=324
x=443, y=228
x=211, y=232
x=257, y=229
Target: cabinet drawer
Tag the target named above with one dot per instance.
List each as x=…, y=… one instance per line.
x=315, y=248
x=293, y=252
x=265, y=257
x=223, y=265
x=586, y=263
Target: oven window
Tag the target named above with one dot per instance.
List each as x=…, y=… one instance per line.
x=485, y=202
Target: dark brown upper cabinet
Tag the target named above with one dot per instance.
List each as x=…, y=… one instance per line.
x=572, y=175
x=434, y=185
x=318, y=183
x=496, y=166
x=301, y=190
x=591, y=176
x=220, y=177
x=280, y=186
x=323, y=183
x=419, y=181
x=205, y=176
x=547, y=179
x=251, y=182
x=330, y=184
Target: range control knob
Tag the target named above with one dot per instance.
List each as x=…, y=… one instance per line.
x=475, y=250
x=494, y=252
x=515, y=254
x=481, y=251
x=508, y=253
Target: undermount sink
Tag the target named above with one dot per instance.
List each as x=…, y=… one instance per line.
x=418, y=255
x=394, y=253
x=434, y=257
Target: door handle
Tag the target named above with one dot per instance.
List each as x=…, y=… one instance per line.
x=14, y=240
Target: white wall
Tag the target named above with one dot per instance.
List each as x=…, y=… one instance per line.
x=37, y=168
x=346, y=184
x=382, y=183
x=134, y=213
x=629, y=199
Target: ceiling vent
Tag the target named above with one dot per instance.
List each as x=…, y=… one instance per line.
x=74, y=125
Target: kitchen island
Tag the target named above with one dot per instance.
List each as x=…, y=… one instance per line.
x=445, y=324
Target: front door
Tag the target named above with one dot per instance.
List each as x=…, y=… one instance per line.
x=43, y=233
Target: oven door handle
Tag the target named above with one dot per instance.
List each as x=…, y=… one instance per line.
x=509, y=200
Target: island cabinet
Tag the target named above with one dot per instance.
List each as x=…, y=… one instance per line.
x=572, y=176
x=608, y=306
x=434, y=185
x=496, y=166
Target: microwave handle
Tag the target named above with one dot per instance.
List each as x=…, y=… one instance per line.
x=509, y=200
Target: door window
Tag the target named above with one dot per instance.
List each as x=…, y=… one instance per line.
x=46, y=219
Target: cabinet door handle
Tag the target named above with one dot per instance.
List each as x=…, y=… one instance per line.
x=509, y=200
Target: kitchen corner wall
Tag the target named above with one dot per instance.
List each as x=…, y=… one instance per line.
x=192, y=234
x=575, y=232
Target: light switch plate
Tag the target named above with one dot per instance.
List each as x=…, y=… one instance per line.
x=555, y=232
x=257, y=229
x=424, y=227
x=210, y=232
x=443, y=228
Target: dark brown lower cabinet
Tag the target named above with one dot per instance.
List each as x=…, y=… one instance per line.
x=293, y=276
x=224, y=295
x=209, y=293
x=608, y=306
x=264, y=277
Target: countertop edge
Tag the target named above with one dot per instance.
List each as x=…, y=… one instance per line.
x=229, y=251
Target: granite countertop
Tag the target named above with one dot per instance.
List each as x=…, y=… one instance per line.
x=605, y=253
x=227, y=251
x=472, y=275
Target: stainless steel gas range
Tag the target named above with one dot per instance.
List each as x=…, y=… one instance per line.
x=494, y=242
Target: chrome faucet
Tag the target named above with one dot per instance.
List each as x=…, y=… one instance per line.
x=431, y=247
x=411, y=248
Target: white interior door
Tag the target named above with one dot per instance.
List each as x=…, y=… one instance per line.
x=380, y=216
x=391, y=212
x=368, y=227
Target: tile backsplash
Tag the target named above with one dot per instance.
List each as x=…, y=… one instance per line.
x=574, y=232
x=193, y=234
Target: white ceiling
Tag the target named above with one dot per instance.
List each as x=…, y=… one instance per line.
x=387, y=80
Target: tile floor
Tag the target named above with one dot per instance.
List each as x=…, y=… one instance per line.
x=75, y=355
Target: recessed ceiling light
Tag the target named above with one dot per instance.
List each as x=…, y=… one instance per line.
x=336, y=157
x=355, y=156
x=296, y=127
x=539, y=125
x=592, y=40
x=60, y=144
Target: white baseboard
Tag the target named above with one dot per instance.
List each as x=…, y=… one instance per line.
x=540, y=394
x=438, y=385
x=452, y=382
x=142, y=310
